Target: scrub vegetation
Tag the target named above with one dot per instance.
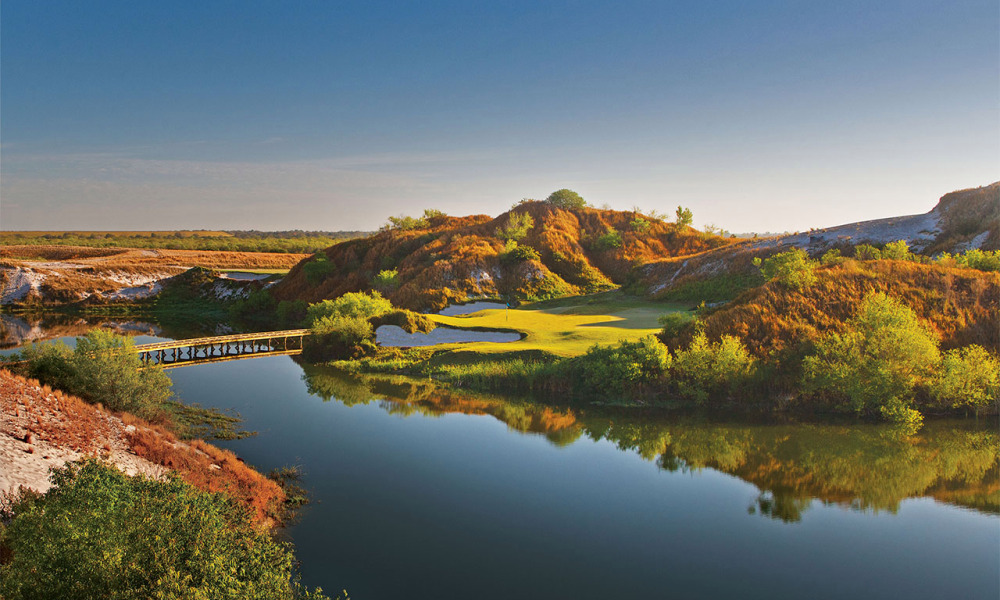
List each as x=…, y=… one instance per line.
x=536, y=251
x=293, y=242
x=98, y=533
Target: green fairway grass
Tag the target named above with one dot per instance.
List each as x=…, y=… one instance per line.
x=563, y=327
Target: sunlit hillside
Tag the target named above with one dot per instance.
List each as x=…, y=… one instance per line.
x=534, y=251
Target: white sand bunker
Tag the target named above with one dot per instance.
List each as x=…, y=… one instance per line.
x=391, y=335
x=467, y=309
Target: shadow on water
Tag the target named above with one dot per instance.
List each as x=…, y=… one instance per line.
x=864, y=467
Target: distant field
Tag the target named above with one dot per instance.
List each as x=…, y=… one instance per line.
x=293, y=242
x=565, y=327
x=105, y=259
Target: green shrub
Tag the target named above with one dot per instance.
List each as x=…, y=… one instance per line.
x=354, y=304
x=339, y=337
x=867, y=252
x=621, y=367
x=684, y=217
x=386, y=280
x=674, y=323
x=405, y=223
x=100, y=534
x=513, y=253
x=640, y=225
x=566, y=199
x=609, y=241
x=103, y=368
x=831, y=257
x=979, y=259
x=873, y=367
x=970, y=377
x=898, y=250
x=792, y=269
x=318, y=268
x=517, y=226
x=707, y=370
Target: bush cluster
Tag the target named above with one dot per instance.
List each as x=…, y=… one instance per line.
x=792, y=269
x=98, y=533
x=103, y=368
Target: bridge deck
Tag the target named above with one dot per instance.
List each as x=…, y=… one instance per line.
x=221, y=339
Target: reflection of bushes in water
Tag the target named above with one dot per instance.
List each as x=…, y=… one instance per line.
x=863, y=467
x=407, y=396
x=331, y=384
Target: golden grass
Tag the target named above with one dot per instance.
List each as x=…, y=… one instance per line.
x=962, y=306
x=165, y=233
x=460, y=258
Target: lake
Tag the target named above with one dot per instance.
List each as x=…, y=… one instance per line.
x=421, y=493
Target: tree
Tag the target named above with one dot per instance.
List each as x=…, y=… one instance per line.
x=517, y=226
x=108, y=370
x=792, y=269
x=103, y=368
x=873, y=367
x=567, y=199
x=100, y=534
x=968, y=376
x=705, y=370
x=353, y=304
x=684, y=217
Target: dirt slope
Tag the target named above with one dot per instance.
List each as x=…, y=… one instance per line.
x=458, y=259
x=961, y=220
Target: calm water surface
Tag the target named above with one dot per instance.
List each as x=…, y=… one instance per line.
x=421, y=494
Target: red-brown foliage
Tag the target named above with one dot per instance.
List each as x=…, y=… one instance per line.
x=962, y=306
x=459, y=258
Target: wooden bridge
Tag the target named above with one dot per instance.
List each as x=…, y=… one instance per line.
x=195, y=351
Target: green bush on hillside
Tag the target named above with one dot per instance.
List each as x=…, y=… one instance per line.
x=610, y=240
x=968, y=377
x=707, y=370
x=792, y=269
x=984, y=260
x=103, y=368
x=831, y=257
x=566, y=199
x=318, y=268
x=874, y=366
x=517, y=226
x=867, y=252
x=386, y=280
x=98, y=533
x=898, y=250
x=640, y=225
x=354, y=304
x=621, y=367
x=514, y=253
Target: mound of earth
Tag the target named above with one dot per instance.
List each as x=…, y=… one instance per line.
x=960, y=221
x=41, y=428
x=961, y=306
x=452, y=260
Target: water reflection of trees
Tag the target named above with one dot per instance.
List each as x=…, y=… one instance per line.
x=859, y=466
x=19, y=329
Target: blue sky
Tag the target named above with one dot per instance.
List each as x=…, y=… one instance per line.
x=318, y=114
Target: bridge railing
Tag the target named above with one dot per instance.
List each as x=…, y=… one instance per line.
x=222, y=339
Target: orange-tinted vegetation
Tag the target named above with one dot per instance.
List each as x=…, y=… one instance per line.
x=454, y=259
x=40, y=414
x=962, y=306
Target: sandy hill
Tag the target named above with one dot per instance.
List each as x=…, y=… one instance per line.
x=451, y=259
x=961, y=220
